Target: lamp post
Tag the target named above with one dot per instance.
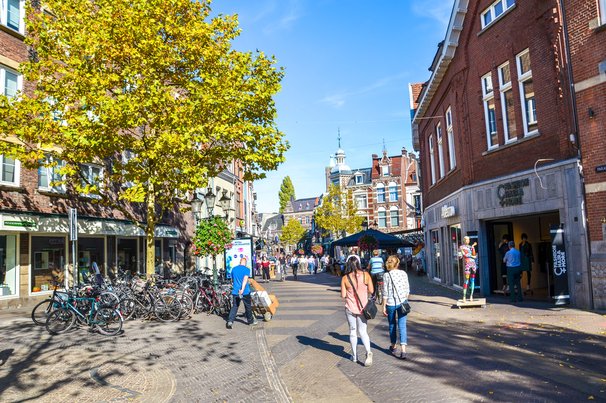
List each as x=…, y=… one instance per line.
x=196, y=208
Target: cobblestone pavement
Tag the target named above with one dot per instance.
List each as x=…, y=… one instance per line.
x=527, y=352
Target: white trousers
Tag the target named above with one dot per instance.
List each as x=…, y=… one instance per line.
x=357, y=325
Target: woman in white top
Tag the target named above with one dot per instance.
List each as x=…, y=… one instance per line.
x=395, y=291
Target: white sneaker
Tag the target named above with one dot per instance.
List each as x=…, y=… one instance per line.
x=368, y=361
x=354, y=358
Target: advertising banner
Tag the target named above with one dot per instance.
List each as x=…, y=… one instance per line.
x=560, y=272
x=240, y=248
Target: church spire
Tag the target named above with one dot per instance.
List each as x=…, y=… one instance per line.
x=339, y=136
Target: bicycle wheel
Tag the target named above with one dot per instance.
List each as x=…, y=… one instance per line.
x=60, y=321
x=128, y=307
x=187, y=305
x=109, y=299
x=167, y=307
x=108, y=321
x=42, y=310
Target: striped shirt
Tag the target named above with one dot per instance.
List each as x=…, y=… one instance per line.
x=399, y=279
x=376, y=265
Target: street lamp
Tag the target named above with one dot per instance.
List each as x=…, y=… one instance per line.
x=196, y=208
x=210, y=199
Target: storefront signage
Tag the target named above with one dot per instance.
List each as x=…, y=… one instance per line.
x=560, y=272
x=24, y=224
x=512, y=193
x=600, y=169
x=19, y=223
x=448, y=211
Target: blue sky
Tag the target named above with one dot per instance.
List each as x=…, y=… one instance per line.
x=347, y=67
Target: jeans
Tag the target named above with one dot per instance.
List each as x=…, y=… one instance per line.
x=392, y=311
x=246, y=299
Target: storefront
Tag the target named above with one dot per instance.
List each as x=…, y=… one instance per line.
x=9, y=267
x=530, y=203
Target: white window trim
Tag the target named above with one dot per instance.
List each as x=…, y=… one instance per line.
x=440, y=144
x=3, y=71
x=487, y=97
x=359, y=179
x=49, y=174
x=522, y=78
x=101, y=173
x=17, y=173
x=602, y=11
x=385, y=170
x=381, y=186
x=503, y=88
x=4, y=15
x=432, y=161
x=389, y=187
x=379, y=211
x=491, y=9
x=391, y=210
x=358, y=196
x=452, y=158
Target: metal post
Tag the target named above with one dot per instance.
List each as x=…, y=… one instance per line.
x=215, y=274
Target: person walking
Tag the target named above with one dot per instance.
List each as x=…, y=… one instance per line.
x=240, y=292
x=294, y=263
x=282, y=260
x=265, y=267
x=356, y=285
x=526, y=258
x=512, y=260
x=396, y=290
x=375, y=265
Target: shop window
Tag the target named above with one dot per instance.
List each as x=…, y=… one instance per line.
x=90, y=250
x=382, y=214
x=458, y=271
x=490, y=116
x=9, y=271
x=48, y=261
x=11, y=170
x=527, y=97
x=436, y=254
x=127, y=255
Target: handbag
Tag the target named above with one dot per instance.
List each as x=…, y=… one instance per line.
x=405, y=307
x=370, y=309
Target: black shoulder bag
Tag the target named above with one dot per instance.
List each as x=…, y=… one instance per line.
x=404, y=306
x=370, y=309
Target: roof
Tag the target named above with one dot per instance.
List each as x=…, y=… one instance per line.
x=414, y=91
x=274, y=223
x=302, y=205
x=366, y=177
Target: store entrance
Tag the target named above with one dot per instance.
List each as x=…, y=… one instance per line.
x=538, y=282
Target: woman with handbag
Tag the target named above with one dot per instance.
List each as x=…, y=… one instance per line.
x=395, y=304
x=356, y=286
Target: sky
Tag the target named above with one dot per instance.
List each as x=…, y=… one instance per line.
x=347, y=66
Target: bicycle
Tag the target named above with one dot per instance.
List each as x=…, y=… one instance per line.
x=43, y=309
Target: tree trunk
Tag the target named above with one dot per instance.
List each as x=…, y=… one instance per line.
x=150, y=232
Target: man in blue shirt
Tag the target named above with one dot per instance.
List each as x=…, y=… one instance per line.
x=375, y=265
x=240, y=292
x=514, y=272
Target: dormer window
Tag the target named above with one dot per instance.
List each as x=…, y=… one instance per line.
x=385, y=170
x=359, y=179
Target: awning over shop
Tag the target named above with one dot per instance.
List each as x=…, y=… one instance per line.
x=384, y=240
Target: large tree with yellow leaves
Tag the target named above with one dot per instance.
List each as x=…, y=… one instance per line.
x=151, y=90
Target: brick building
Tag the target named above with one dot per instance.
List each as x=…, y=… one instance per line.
x=495, y=133
x=586, y=27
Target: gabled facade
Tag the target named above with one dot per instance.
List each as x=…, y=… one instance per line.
x=301, y=210
x=499, y=156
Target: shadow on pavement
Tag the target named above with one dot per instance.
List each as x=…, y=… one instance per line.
x=345, y=337
x=323, y=345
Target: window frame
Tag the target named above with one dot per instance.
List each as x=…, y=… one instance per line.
x=491, y=10
x=4, y=16
x=385, y=170
x=360, y=196
x=393, y=191
x=440, y=145
x=504, y=88
x=391, y=217
x=50, y=175
x=379, y=193
x=602, y=11
x=359, y=179
x=487, y=97
x=382, y=216
x=452, y=158
x=432, y=164
x=99, y=177
x=3, y=87
x=524, y=77
x=17, y=175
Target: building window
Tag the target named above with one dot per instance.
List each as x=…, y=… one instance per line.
x=603, y=12
x=382, y=217
x=394, y=217
x=380, y=193
x=48, y=259
x=359, y=179
x=440, y=149
x=49, y=174
x=307, y=220
x=385, y=170
x=417, y=203
x=432, y=167
x=451, y=143
x=393, y=192
x=11, y=169
x=361, y=201
x=507, y=105
x=10, y=82
x=13, y=14
x=91, y=176
x=490, y=116
x=529, y=111
x=495, y=10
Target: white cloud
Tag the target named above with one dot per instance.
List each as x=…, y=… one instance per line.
x=438, y=10
x=291, y=12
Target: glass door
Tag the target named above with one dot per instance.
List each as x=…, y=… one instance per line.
x=436, y=254
x=458, y=272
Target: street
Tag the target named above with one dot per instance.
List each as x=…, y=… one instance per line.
x=529, y=352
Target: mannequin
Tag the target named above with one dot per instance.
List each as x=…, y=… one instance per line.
x=468, y=253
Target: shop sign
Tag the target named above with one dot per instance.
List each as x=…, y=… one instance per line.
x=560, y=272
x=166, y=232
x=512, y=193
x=600, y=169
x=20, y=223
x=448, y=211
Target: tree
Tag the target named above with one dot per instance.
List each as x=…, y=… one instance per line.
x=152, y=92
x=287, y=192
x=292, y=232
x=337, y=213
